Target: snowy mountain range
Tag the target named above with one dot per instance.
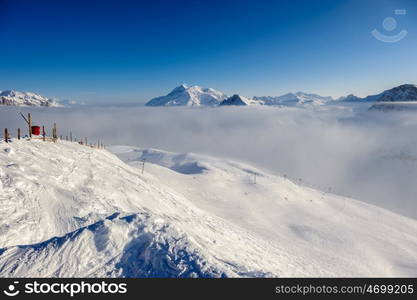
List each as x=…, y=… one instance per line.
x=402, y=93
x=403, y=97
x=291, y=99
x=16, y=98
x=189, y=96
x=96, y=214
x=198, y=96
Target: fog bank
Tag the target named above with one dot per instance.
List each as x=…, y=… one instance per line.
x=368, y=156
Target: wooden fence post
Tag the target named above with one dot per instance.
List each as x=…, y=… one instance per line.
x=30, y=125
x=71, y=136
x=29, y=122
x=55, y=134
x=6, y=135
x=18, y=133
x=43, y=133
x=143, y=165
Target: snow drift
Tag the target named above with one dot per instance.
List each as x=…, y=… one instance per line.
x=69, y=210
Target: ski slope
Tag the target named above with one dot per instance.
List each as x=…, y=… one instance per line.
x=72, y=211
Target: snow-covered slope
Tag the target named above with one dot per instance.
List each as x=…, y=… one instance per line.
x=295, y=99
x=327, y=235
x=402, y=93
x=237, y=100
x=69, y=210
x=403, y=97
x=189, y=96
x=15, y=98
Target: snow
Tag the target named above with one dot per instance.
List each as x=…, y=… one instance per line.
x=352, y=98
x=400, y=94
x=295, y=99
x=198, y=96
x=70, y=210
x=189, y=96
x=403, y=97
x=16, y=98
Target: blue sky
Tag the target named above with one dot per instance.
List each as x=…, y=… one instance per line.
x=132, y=51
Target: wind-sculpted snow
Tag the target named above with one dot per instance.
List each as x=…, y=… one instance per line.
x=72, y=211
x=124, y=246
x=316, y=227
x=56, y=202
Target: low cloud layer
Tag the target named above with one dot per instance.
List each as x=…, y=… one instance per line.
x=368, y=156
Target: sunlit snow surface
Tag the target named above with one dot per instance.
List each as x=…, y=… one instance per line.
x=71, y=211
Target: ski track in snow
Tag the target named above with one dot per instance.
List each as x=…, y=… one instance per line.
x=72, y=211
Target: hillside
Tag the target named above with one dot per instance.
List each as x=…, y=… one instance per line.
x=69, y=210
x=403, y=97
x=401, y=93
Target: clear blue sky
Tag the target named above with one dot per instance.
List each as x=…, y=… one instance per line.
x=132, y=51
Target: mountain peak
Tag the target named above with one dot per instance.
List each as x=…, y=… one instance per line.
x=401, y=93
x=234, y=100
x=181, y=87
x=237, y=100
x=185, y=95
x=407, y=86
x=405, y=92
x=17, y=98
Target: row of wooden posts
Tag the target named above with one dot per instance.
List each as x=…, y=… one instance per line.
x=54, y=137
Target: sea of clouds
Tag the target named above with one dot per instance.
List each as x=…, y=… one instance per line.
x=370, y=156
